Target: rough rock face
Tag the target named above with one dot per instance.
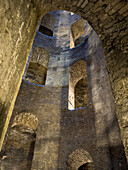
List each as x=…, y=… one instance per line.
x=19, y=21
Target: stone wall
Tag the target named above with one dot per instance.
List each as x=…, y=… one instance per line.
x=118, y=65
x=36, y=71
x=60, y=131
x=19, y=21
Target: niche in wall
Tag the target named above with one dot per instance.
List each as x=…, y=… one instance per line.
x=78, y=90
x=45, y=30
x=80, y=160
x=37, y=69
x=47, y=24
x=81, y=93
x=19, y=146
x=77, y=30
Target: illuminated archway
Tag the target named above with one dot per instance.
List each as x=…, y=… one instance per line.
x=77, y=79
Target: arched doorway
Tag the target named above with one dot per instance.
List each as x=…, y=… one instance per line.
x=80, y=160
x=20, y=143
x=78, y=90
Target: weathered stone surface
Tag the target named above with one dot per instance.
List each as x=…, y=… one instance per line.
x=79, y=157
x=17, y=33
x=19, y=20
x=36, y=73
x=81, y=94
x=61, y=131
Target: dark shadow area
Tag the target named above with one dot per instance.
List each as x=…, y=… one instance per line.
x=19, y=148
x=3, y=116
x=81, y=93
x=79, y=40
x=31, y=153
x=36, y=73
x=45, y=31
x=87, y=166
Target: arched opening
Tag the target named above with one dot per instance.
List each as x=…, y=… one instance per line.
x=37, y=66
x=46, y=24
x=20, y=143
x=80, y=160
x=36, y=73
x=78, y=88
x=79, y=30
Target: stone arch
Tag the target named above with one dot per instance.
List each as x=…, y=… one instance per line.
x=47, y=24
x=77, y=72
x=26, y=119
x=38, y=65
x=78, y=158
x=77, y=30
x=20, y=143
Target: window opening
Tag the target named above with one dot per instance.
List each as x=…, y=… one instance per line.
x=45, y=30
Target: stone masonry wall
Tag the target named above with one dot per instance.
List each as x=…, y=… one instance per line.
x=37, y=66
x=18, y=22
x=18, y=25
x=60, y=131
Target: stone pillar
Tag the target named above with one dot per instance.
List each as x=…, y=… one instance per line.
x=62, y=30
x=55, y=98
x=58, y=73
